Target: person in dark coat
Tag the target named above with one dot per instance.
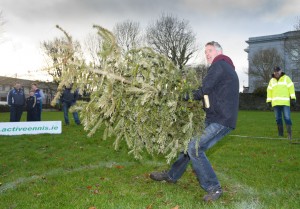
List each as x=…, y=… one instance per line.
x=39, y=100
x=16, y=102
x=220, y=92
x=68, y=99
x=31, y=107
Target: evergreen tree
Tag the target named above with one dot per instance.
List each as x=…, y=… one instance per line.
x=138, y=98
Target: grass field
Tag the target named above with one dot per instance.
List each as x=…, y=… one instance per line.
x=71, y=170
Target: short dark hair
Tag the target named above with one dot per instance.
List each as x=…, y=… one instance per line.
x=276, y=69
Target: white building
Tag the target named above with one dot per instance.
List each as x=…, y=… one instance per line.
x=7, y=83
x=279, y=43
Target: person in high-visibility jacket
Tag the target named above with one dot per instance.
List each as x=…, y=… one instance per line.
x=280, y=94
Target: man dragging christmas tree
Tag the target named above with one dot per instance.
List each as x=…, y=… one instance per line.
x=220, y=89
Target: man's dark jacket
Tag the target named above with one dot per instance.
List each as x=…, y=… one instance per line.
x=16, y=97
x=69, y=97
x=221, y=84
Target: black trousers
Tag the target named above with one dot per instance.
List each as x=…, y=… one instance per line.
x=32, y=115
x=16, y=113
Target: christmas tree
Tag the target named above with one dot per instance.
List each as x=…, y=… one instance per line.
x=136, y=97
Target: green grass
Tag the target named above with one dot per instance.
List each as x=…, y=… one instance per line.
x=71, y=170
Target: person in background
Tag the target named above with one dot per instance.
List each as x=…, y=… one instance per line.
x=280, y=93
x=39, y=100
x=221, y=89
x=16, y=102
x=31, y=107
x=68, y=99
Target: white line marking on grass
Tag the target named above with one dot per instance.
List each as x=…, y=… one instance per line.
x=59, y=171
x=254, y=204
x=262, y=137
x=249, y=195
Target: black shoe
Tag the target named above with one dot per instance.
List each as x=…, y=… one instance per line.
x=161, y=176
x=213, y=195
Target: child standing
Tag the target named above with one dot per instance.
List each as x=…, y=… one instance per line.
x=31, y=107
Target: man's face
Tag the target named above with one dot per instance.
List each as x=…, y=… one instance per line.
x=277, y=74
x=18, y=86
x=211, y=53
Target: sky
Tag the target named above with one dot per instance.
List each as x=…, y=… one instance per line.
x=230, y=22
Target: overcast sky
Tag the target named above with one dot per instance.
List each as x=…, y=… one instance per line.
x=230, y=22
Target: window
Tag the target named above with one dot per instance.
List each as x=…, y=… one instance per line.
x=295, y=54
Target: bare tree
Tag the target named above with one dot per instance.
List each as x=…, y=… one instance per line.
x=61, y=51
x=128, y=35
x=297, y=24
x=173, y=38
x=201, y=71
x=263, y=62
x=92, y=45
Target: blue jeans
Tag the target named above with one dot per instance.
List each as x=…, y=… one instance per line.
x=206, y=176
x=285, y=110
x=66, y=107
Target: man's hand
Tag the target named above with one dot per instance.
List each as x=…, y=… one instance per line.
x=185, y=97
x=269, y=104
x=293, y=102
x=196, y=95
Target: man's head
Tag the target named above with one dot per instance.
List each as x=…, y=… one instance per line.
x=17, y=85
x=212, y=49
x=34, y=86
x=31, y=93
x=69, y=86
x=277, y=72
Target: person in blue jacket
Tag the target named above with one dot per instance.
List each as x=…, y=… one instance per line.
x=220, y=91
x=16, y=102
x=38, y=93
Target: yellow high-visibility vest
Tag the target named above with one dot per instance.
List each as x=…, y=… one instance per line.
x=280, y=91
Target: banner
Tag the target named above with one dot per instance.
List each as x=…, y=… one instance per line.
x=34, y=127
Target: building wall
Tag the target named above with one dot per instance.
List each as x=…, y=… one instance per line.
x=277, y=42
x=7, y=83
